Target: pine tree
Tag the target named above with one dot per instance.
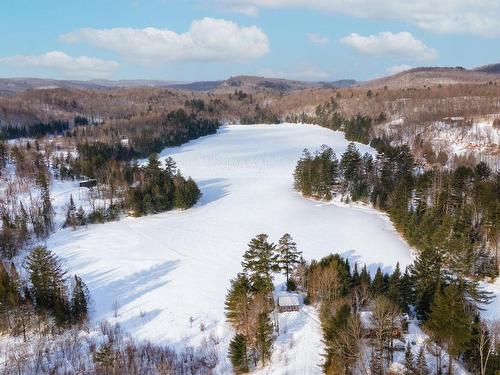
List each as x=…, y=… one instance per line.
x=364, y=277
x=79, y=301
x=421, y=364
x=71, y=214
x=22, y=224
x=170, y=167
x=350, y=165
x=394, y=291
x=264, y=337
x=104, y=357
x=47, y=209
x=46, y=277
x=238, y=353
x=258, y=263
x=238, y=302
x=355, y=279
x=378, y=286
x=81, y=217
x=427, y=275
x=287, y=256
x=409, y=364
x=407, y=293
x=450, y=322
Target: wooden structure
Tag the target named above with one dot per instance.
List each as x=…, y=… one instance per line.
x=288, y=303
x=88, y=183
x=399, y=328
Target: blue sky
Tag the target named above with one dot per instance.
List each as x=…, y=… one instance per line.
x=186, y=40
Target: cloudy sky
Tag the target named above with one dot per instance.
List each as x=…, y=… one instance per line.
x=187, y=40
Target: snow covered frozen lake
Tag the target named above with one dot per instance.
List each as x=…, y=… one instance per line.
x=163, y=269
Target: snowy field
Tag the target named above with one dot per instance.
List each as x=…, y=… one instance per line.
x=168, y=273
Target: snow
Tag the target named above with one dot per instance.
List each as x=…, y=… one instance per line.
x=164, y=277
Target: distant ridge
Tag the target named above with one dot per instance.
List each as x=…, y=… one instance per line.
x=410, y=78
x=492, y=69
x=428, y=76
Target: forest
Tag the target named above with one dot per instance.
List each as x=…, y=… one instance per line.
x=121, y=185
x=363, y=318
x=451, y=217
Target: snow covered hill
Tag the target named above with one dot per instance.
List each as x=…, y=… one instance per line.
x=164, y=277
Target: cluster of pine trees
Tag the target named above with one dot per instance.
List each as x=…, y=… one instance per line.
x=344, y=293
x=160, y=189
x=56, y=127
x=250, y=301
x=321, y=175
x=45, y=294
x=451, y=215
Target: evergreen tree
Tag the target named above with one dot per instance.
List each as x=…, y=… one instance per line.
x=104, y=357
x=46, y=277
x=379, y=285
x=238, y=353
x=421, y=364
x=394, y=291
x=170, y=167
x=407, y=293
x=258, y=263
x=426, y=273
x=22, y=225
x=356, y=278
x=238, y=302
x=364, y=277
x=47, y=212
x=81, y=217
x=79, y=301
x=287, y=256
x=409, y=364
x=71, y=220
x=350, y=165
x=264, y=338
x=450, y=322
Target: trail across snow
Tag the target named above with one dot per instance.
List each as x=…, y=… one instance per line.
x=163, y=269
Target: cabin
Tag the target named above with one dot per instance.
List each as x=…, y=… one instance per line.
x=288, y=303
x=88, y=183
x=400, y=326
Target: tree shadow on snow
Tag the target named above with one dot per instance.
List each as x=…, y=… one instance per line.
x=110, y=294
x=212, y=190
x=372, y=267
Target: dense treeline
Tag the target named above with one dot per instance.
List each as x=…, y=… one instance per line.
x=357, y=128
x=26, y=210
x=363, y=316
x=452, y=217
x=38, y=130
x=453, y=214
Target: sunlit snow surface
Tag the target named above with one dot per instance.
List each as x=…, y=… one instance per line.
x=163, y=269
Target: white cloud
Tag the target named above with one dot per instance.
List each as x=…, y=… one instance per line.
x=208, y=39
x=398, y=69
x=68, y=66
x=318, y=39
x=304, y=72
x=445, y=16
x=401, y=45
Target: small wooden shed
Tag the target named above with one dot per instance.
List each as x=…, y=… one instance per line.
x=288, y=303
x=88, y=183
